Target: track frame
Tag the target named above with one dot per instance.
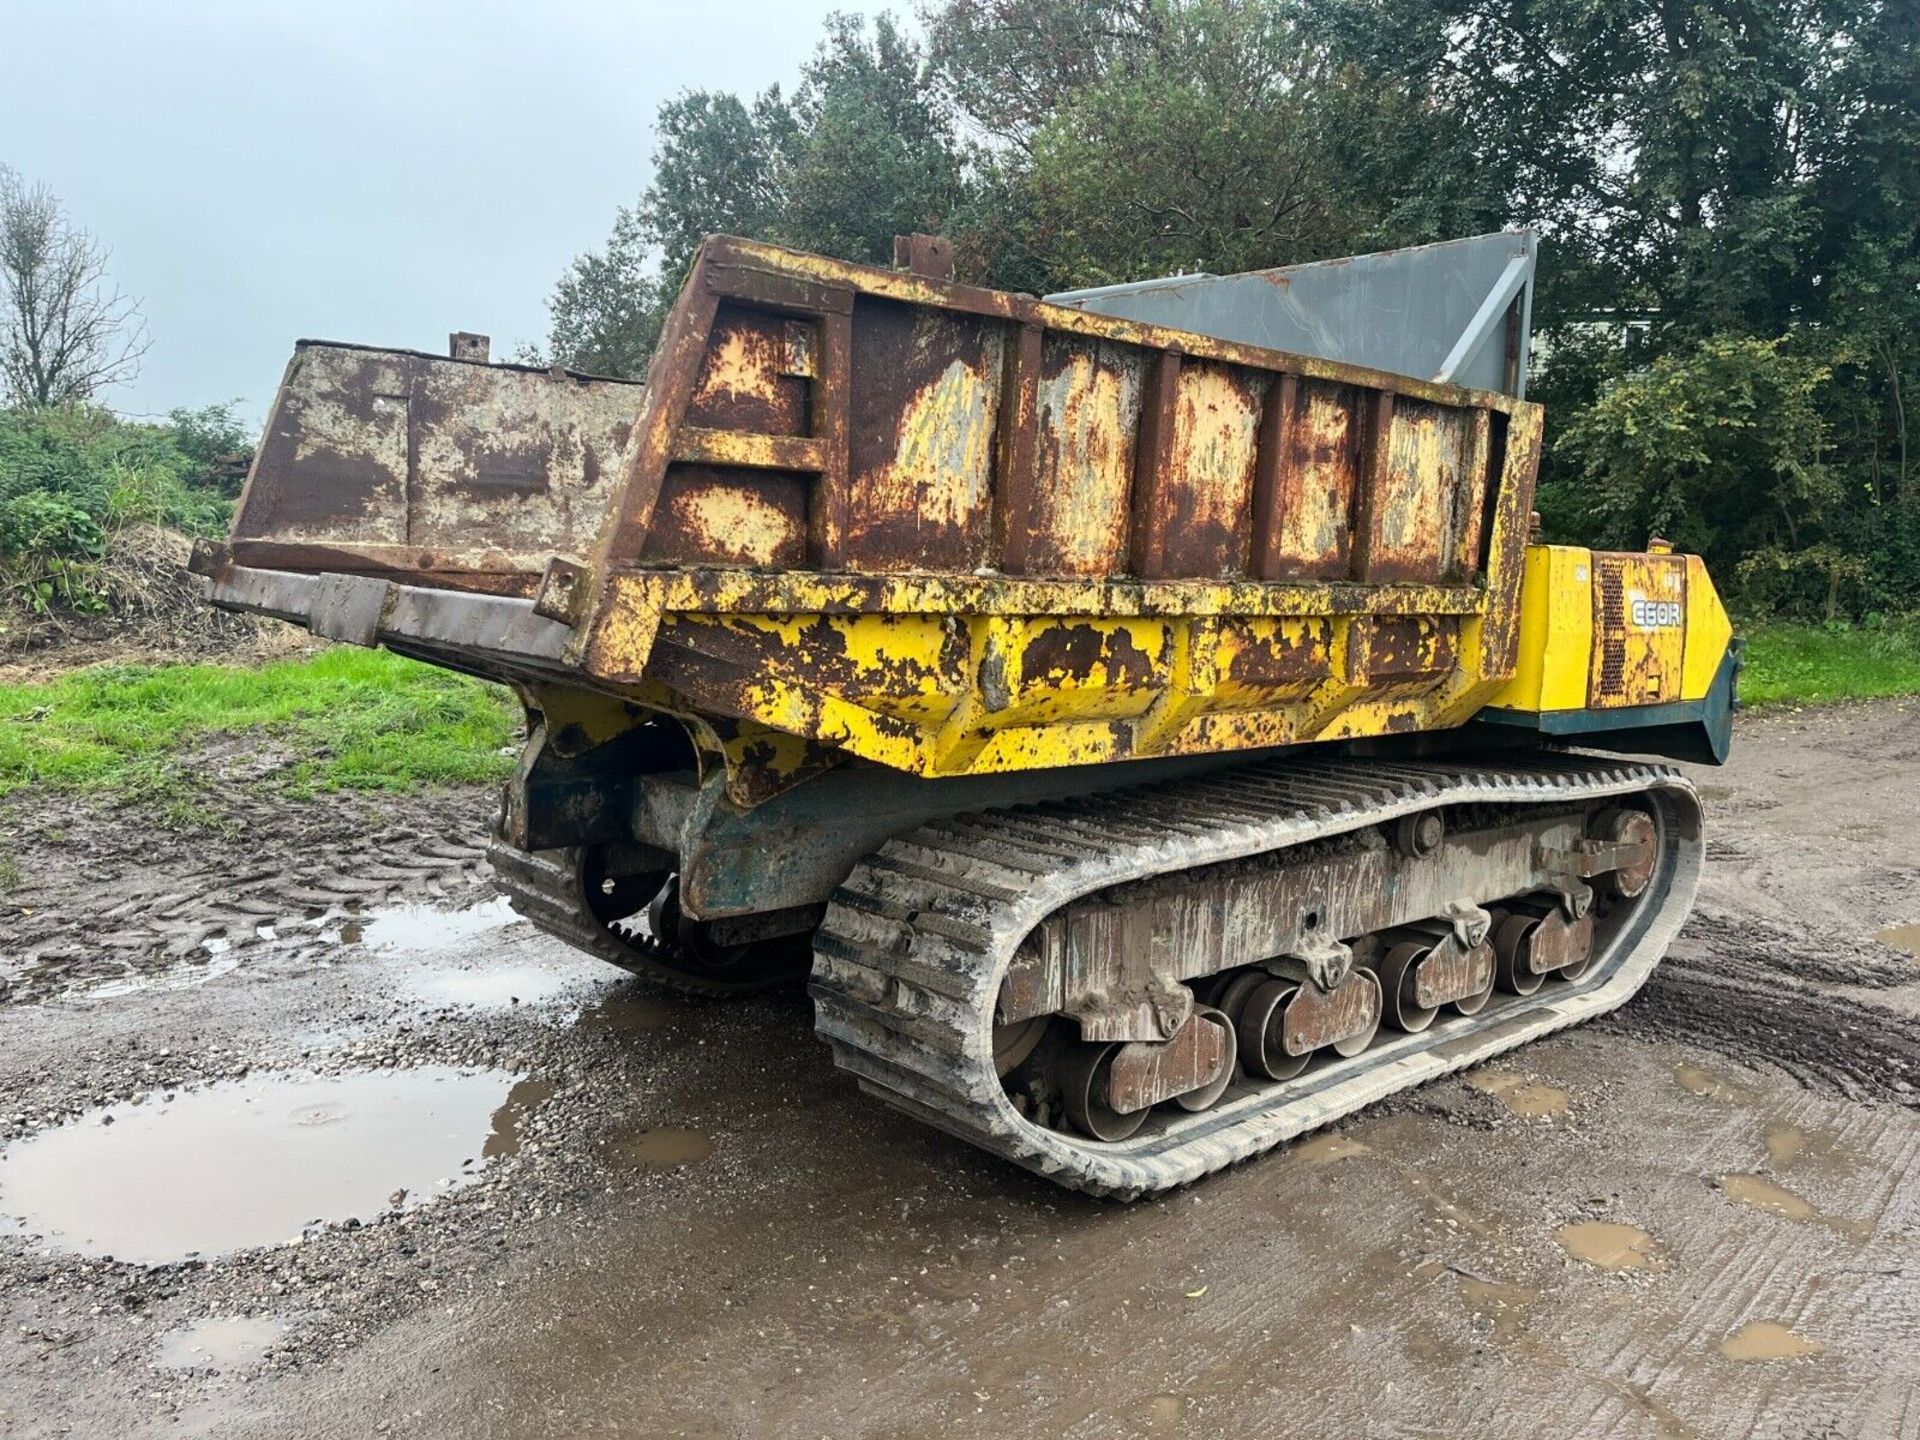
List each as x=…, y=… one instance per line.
x=909, y=960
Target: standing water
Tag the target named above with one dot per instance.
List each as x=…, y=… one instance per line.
x=253, y=1162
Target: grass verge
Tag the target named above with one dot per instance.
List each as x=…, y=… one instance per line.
x=360, y=719
x=1808, y=664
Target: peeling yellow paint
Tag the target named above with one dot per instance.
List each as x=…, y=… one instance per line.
x=1216, y=427
x=1312, y=525
x=940, y=468
x=737, y=364
x=1088, y=417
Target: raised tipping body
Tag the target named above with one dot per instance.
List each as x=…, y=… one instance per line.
x=873, y=560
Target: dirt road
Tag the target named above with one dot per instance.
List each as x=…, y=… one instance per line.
x=626, y=1217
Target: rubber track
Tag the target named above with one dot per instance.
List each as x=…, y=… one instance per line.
x=908, y=962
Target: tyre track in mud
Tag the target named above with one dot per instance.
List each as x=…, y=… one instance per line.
x=1778, y=965
x=1736, y=1007
x=106, y=899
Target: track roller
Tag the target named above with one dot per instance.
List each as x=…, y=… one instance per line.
x=1535, y=939
x=1428, y=967
x=1281, y=1022
x=1108, y=1088
x=1261, y=1021
x=1085, y=1079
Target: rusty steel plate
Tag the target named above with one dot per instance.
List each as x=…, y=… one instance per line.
x=1145, y=1072
x=1450, y=972
x=1557, y=942
x=1317, y=1018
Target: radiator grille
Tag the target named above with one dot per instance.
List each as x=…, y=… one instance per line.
x=1639, y=629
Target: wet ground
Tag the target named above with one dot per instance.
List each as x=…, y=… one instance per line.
x=373, y=1170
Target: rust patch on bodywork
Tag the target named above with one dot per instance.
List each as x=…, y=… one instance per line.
x=473, y=467
x=1303, y=529
x=921, y=446
x=1408, y=654
x=1272, y=660
x=1416, y=515
x=1089, y=403
x=746, y=379
x=730, y=517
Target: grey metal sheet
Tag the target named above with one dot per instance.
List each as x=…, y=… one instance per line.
x=1460, y=310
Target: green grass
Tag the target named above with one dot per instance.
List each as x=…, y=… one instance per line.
x=359, y=720
x=1808, y=664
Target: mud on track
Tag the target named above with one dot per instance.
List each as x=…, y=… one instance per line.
x=1697, y=1217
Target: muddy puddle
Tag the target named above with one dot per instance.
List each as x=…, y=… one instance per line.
x=1709, y=1084
x=1774, y=1198
x=1325, y=1148
x=1768, y=1340
x=1525, y=1099
x=115, y=972
x=1901, y=937
x=1501, y=1306
x=421, y=927
x=1789, y=1146
x=255, y=1162
x=487, y=985
x=108, y=977
x=665, y=1148
x=220, y=1342
x=628, y=1009
x=1610, y=1245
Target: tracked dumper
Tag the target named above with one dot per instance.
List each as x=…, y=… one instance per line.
x=1142, y=710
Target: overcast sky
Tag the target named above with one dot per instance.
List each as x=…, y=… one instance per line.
x=375, y=172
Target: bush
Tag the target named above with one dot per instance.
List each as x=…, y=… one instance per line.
x=1722, y=449
x=47, y=545
x=72, y=478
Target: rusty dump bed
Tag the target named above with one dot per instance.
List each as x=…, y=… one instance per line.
x=950, y=530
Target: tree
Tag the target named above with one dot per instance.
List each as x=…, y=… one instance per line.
x=606, y=311
x=720, y=168
x=217, y=444
x=1721, y=447
x=66, y=332
x=863, y=150
x=1211, y=148
x=1009, y=66
x=873, y=151
x=1127, y=138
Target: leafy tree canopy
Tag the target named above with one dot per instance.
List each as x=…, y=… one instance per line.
x=1728, y=311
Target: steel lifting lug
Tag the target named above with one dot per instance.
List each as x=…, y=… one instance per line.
x=1469, y=923
x=1324, y=963
x=1576, y=899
